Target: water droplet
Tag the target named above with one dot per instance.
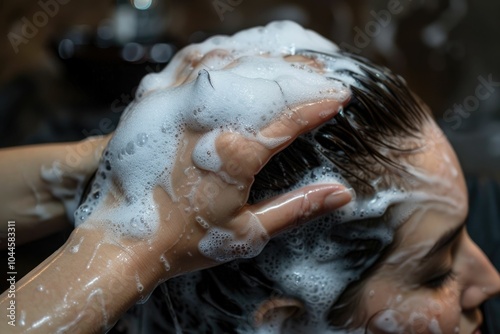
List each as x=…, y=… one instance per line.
x=166, y=265
x=142, y=139
x=130, y=149
x=202, y=222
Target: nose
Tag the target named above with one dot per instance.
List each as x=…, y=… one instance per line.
x=481, y=279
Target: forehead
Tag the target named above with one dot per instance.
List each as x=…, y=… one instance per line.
x=438, y=173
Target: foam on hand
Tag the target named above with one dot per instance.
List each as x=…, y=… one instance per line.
x=246, y=85
x=277, y=39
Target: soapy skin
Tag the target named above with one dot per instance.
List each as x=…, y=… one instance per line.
x=273, y=69
x=233, y=93
x=143, y=152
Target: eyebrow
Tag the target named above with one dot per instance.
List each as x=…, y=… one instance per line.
x=446, y=239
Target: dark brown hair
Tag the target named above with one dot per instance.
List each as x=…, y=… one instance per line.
x=381, y=111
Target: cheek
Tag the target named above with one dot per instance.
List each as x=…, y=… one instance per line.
x=418, y=312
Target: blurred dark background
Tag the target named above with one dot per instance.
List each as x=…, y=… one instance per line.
x=69, y=67
x=66, y=65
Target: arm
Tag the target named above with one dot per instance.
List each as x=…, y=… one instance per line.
x=82, y=288
x=39, y=181
x=98, y=274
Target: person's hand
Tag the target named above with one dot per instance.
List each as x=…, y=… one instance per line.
x=213, y=222
x=42, y=185
x=207, y=221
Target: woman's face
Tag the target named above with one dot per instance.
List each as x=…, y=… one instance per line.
x=436, y=277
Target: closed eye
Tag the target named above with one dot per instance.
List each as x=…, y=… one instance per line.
x=441, y=280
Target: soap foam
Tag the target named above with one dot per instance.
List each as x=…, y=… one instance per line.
x=245, y=97
x=224, y=245
x=277, y=39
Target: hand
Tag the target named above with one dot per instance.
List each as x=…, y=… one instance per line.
x=42, y=183
x=207, y=221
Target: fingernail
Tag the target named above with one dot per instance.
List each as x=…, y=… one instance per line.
x=340, y=198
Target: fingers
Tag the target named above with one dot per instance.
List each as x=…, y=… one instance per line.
x=301, y=119
x=243, y=158
x=247, y=234
x=298, y=206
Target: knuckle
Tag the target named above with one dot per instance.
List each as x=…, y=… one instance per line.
x=307, y=208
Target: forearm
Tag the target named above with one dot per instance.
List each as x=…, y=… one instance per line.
x=37, y=180
x=84, y=287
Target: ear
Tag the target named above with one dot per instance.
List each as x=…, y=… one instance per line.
x=277, y=308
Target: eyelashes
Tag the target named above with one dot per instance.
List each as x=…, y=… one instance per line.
x=441, y=280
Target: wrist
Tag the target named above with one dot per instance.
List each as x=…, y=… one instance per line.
x=119, y=273
x=128, y=263
x=86, y=285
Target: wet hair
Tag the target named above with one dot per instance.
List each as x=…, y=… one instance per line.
x=381, y=111
x=364, y=142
